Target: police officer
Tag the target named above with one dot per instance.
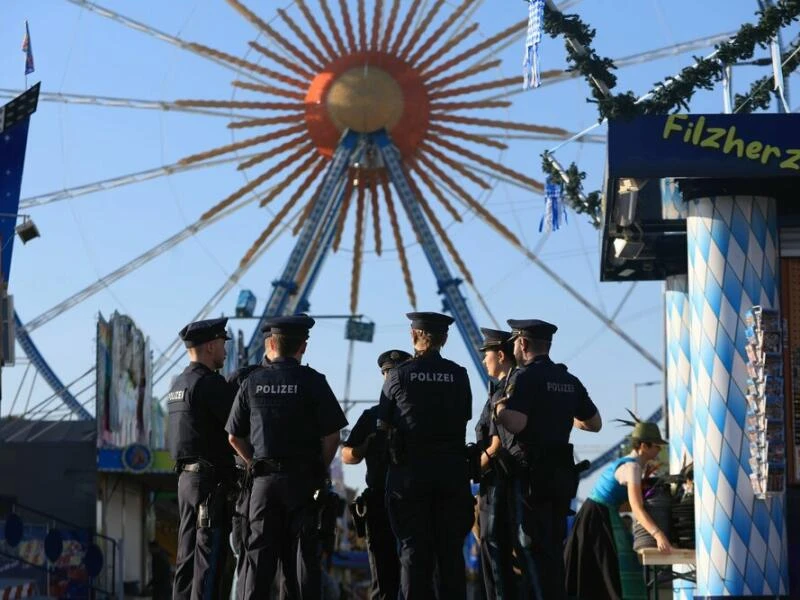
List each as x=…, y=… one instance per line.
x=239, y=526
x=496, y=468
x=367, y=442
x=293, y=420
x=199, y=403
x=427, y=402
x=541, y=405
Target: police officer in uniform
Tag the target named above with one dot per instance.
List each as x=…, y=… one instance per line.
x=496, y=468
x=199, y=403
x=367, y=442
x=293, y=420
x=426, y=402
x=541, y=405
x=239, y=526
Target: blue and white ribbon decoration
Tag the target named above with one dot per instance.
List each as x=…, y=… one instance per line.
x=530, y=63
x=555, y=213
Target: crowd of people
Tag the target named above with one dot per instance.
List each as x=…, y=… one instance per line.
x=253, y=454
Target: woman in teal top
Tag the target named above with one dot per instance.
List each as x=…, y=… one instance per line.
x=599, y=558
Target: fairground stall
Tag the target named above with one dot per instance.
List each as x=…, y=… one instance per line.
x=707, y=204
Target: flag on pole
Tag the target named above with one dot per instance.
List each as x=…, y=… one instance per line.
x=27, y=48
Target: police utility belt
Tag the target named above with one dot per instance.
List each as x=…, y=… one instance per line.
x=200, y=465
x=270, y=466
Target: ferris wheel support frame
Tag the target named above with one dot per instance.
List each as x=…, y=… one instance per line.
x=38, y=361
x=290, y=294
x=454, y=300
x=327, y=235
x=286, y=286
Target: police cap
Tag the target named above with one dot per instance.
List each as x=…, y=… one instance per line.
x=292, y=326
x=200, y=332
x=431, y=322
x=532, y=328
x=391, y=358
x=494, y=339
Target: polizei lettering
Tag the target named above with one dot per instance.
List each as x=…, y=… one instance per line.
x=432, y=377
x=277, y=388
x=564, y=388
x=174, y=396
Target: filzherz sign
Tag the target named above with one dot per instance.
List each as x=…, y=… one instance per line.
x=708, y=146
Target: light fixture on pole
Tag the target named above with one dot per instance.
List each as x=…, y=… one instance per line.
x=26, y=230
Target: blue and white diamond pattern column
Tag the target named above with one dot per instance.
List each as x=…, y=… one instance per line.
x=679, y=397
x=733, y=265
x=681, y=417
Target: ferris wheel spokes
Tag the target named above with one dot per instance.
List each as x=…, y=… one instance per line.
x=131, y=266
x=199, y=50
x=116, y=102
x=267, y=29
x=278, y=223
x=121, y=180
x=558, y=76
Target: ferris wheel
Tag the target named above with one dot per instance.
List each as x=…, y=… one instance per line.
x=375, y=126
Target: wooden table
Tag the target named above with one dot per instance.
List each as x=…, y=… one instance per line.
x=655, y=563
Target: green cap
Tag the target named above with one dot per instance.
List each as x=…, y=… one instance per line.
x=648, y=432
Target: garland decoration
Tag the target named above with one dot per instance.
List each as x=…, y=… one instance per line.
x=761, y=91
x=572, y=191
x=583, y=58
x=674, y=93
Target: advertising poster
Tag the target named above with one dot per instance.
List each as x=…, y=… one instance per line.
x=124, y=384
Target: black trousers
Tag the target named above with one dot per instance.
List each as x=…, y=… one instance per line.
x=202, y=551
x=384, y=563
x=541, y=526
x=283, y=530
x=496, y=541
x=239, y=534
x=431, y=510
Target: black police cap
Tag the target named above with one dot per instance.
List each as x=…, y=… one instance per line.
x=431, y=322
x=200, y=332
x=532, y=328
x=293, y=326
x=391, y=358
x=493, y=339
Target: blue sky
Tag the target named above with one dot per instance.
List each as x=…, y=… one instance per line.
x=77, y=51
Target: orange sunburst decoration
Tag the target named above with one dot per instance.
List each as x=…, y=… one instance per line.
x=415, y=80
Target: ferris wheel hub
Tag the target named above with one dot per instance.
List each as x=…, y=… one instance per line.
x=364, y=92
x=365, y=99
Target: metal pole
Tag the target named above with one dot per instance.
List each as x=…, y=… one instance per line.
x=665, y=399
x=346, y=399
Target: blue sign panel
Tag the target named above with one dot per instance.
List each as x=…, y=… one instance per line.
x=12, y=160
x=14, y=120
x=708, y=146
